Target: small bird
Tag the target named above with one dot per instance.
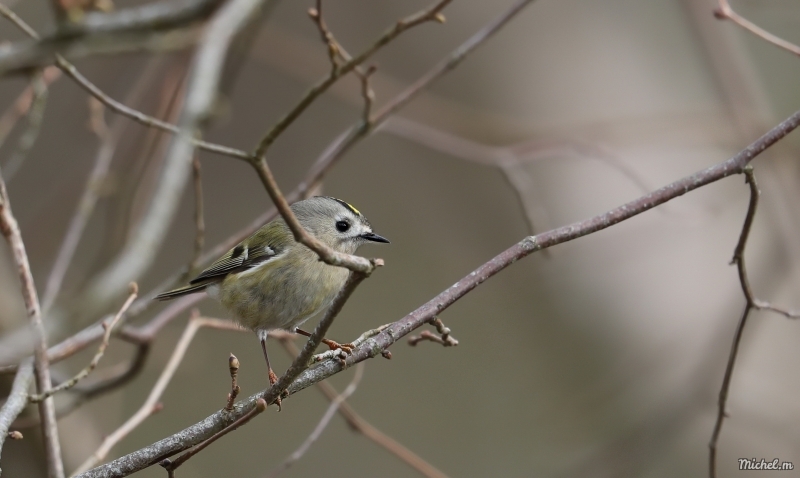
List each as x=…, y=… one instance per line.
x=269, y=281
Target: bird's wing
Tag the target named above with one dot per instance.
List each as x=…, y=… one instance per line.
x=238, y=259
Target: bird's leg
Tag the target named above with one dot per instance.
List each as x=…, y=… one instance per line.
x=346, y=348
x=262, y=336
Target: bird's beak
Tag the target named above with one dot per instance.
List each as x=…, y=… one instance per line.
x=371, y=236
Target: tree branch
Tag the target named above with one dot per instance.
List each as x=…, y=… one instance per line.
x=10, y=229
x=429, y=14
x=97, y=356
x=139, y=252
x=16, y=400
x=725, y=12
x=376, y=345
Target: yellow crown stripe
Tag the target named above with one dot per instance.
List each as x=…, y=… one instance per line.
x=348, y=206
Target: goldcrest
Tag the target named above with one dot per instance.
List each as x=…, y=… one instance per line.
x=269, y=281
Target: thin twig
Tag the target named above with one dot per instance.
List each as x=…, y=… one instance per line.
x=114, y=105
x=375, y=346
x=325, y=253
x=430, y=14
x=16, y=400
x=10, y=229
x=138, y=335
x=97, y=356
x=107, y=380
x=300, y=363
x=336, y=51
x=19, y=22
x=142, y=118
x=109, y=140
x=739, y=261
x=151, y=405
x=139, y=251
x=155, y=26
x=360, y=130
x=170, y=465
x=725, y=12
x=326, y=35
x=233, y=367
x=358, y=424
x=444, y=338
x=323, y=423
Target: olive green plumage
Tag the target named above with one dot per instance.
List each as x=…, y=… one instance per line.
x=268, y=281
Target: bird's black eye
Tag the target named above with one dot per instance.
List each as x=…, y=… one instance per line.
x=342, y=226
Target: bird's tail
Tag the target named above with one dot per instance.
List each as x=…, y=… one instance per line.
x=189, y=289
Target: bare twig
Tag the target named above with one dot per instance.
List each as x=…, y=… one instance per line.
x=323, y=423
x=140, y=117
x=17, y=399
x=360, y=425
x=109, y=139
x=337, y=52
x=114, y=105
x=138, y=335
x=160, y=25
x=19, y=22
x=444, y=338
x=106, y=381
x=725, y=12
x=374, y=346
x=170, y=465
x=430, y=14
x=511, y=160
x=139, y=252
x=97, y=356
x=300, y=363
x=327, y=36
x=750, y=304
x=354, y=134
x=10, y=229
x=233, y=367
x=326, y=253
x=151, y=404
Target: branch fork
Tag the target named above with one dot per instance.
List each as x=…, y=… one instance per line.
x=444, y=338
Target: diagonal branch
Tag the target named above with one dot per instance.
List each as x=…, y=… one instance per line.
x=162, y=24
x=151, y=405
x=16, y=400
x=323, y=423
x=97, y=356
x=430, y=14
x=380, y=343
x=725, y=12
x=139, y=252
x=10, y=229
x=360, y=425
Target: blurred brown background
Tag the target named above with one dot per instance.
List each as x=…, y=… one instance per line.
x=603, y=359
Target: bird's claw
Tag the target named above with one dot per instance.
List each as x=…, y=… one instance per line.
x=346, y=348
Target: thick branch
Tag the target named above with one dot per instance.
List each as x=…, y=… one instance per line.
x=376, y=345
x=132, y=28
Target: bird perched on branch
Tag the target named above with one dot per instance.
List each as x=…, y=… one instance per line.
x=269, y=281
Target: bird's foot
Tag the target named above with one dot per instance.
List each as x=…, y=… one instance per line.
x=273, y=379
x=332, y=345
